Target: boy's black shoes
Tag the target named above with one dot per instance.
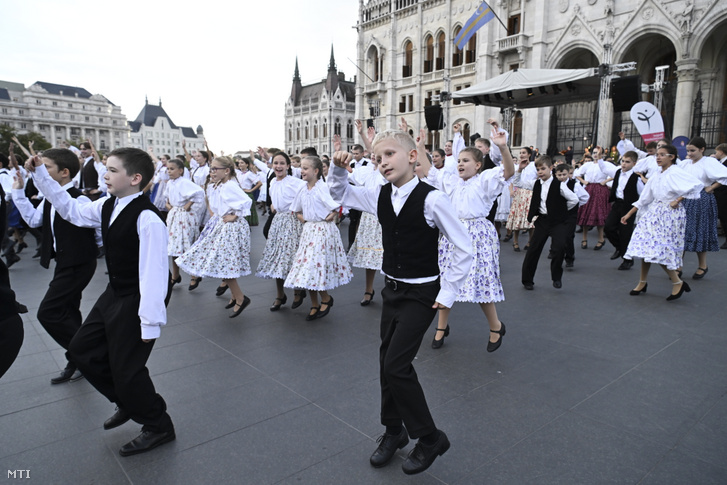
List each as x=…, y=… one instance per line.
x=146, y=441
x=627, y=264
x=388, y=444
x=422, y=456
x=528, y=286
x=11, y=259
x=70, y=373
x=119, y=418
x=557, y=284
x=616, y=254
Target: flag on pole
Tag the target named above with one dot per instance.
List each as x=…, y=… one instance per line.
x=481, y=16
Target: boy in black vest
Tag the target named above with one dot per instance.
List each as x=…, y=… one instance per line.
x=625, y=190
x=551, y=202
x=74, y=249
x=566, y=173
x=113, y=344
x=411, y=214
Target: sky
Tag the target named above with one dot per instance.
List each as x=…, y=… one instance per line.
x=227, y=66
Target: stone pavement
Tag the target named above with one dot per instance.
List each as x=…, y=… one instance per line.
x=591, y=385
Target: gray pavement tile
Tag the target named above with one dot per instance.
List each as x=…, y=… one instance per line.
x=80, y=459
x=31, y=365
x=359, y=406
x=165, y=359
x=677, y=467
x=256, y=454
x=707, y=440
x=33, y=344
x=38, y=391
x=571, y=449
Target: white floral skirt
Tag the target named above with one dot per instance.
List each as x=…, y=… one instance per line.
x=280, y=248
x=659, y=236
x=504, y=201
x=518, y=217
x=320, y=262
x=367, y=250
x=483, y=281
x=222, y=252
x=183, y=230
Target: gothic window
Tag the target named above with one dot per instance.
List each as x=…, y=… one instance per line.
x=471, y=50
x=517, y=129
x=290, y=132
x=306, y=131
x=325, y=128
x=315, y=129
x=429, y=54
x=408, y=59
x=349, y=129
x=441, y=50
x=297, y=131
x=337, y=127
x=457, y=53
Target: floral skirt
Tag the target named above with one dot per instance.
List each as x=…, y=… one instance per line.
x=367, y=250
x=518, y=218
x=701, y=232
x=659, y=236
x=183, y=231
x=222, y=252
x=595, y=211
x=504, y=201
x=280, y=247
x=320, y=262
x=252, y=218
x=483, y=281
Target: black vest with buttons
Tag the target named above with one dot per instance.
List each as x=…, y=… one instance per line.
x=73, y=245
x=121, y=241
x=631, y=193
x=410, y=244
x=571, y=183
x=555, y=203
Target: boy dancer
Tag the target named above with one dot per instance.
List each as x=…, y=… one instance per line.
x=74, y=249
x=551, y=202
x=411, y=215
x=566, y=173
x=112, y=346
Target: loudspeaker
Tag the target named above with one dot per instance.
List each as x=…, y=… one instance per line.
x=625, y=92
x=433, y=117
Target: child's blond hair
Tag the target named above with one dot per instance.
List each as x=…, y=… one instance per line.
x=401, y=137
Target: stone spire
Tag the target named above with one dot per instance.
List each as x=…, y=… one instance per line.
x=332, y=79
x=297, y=86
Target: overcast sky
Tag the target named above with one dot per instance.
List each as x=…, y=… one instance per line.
x=227, y=66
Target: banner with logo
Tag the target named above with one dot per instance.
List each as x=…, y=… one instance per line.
x=648, y=121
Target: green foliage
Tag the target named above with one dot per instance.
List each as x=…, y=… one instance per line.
x=6, y=136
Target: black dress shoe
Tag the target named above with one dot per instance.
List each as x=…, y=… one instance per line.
x=77, y=376
x=245, y=303
x=388, y=444
x=367, y=301
x=37, y=253
x=684, y=288
x=529, y=286
x=616, y=254
x=328, y=304
x=21, y=308
x=422, y=456
x=492, y=346
x=65, y=374
x=176, y=281
x=699, y=276
x=146, y=441
x=436, y=344
x=298, y=300
x=627, y=264
x=314, y=315
x=194, y=284
x=642, y=290
x=278, y=303
x=221, y=290
x=21, y=246
x=119, y=418
x=557, y=284
x=11, y=259
x=569, y=263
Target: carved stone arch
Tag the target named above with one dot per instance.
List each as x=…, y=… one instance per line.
x=557, y=58
x=574, y=36
x=625, y=42
x=711, y=21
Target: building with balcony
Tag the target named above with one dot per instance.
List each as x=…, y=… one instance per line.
x=154, y=128
x=316, y=112
x=406, y=50
x=61, y=113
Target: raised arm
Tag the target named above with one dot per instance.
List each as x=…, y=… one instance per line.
x=499, y=139
x=422, y=157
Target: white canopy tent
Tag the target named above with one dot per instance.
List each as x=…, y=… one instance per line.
x=534, y=88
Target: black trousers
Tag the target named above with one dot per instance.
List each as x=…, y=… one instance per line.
x=109, y=351
x=619, y=235
x=11, y=339
x=59, y=312
x=266, y=227
x=721, y=196
x=354, y=217
x=406, y=315
x=544, y=230
x=570, y=251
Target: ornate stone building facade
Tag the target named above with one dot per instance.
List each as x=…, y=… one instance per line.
x=316, y=112
x=154, y=128
x=406, y=49
x=60, y=113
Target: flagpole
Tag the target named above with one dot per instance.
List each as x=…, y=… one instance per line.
x=497, y=17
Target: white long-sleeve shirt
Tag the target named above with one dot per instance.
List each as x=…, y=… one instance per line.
x=152, y=233
x=472, y=198
x=315, y=203
x=284, y=191
x=610, y=170
x=570, y=197
x=667, y=186
x=707, y=169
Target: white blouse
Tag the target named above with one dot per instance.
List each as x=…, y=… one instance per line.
x=669, y=185
x=199, y=175
x=707, y=169
x=181, y=190
x=283, y=192
x=591, y=173
x=228, y=198
x=472, y=198
x=315, y=203
x=248, y=180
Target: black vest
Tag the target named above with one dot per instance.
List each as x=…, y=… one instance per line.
x=410, y=244
x=121, y=241
x=555, y=203
x=89, y=176
x=74, y=245
x=631, y=193
x=571, y=183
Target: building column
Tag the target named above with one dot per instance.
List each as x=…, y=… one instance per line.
x=687, y=71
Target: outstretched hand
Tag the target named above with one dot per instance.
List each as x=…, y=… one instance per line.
x=342, y=159
x=498, y=138
x=421, y=144
x=33, y=162
x=359, y=127
x=18, y=182
x=404, y=126
x=336, y=143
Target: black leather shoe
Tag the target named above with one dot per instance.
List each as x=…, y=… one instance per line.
x=436, y=344
x=119, y=418
x=569, y=263
x=194, y=284
x=37, y=253
x=278, y=303
x=77, y=376
x=65, y=375
x=529, y=286
x=146, y=441
x=557, y=284
x=642, y=290
x=11, y=259
x=176, y=281
x=627, y=264
x=388, y=444
x=298, y=300
x=367, y=301
x=699, y=276
x=21, y=308
x=492, y=346
x=221, y=290
x=684, y=288
x=422, y=456
x=328, y=304
x=616, y=254
x=21, y=246
x=245, y=303
x=314, y=315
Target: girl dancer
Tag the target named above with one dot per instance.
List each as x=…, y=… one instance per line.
x=518, y=218
x=472, y=195
x=701, y=232
x=224, y=250
x=659, y=233
x=595, y=211
x=250, y=183
x=183, y=197
x=320, y=263
x=285, y=230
